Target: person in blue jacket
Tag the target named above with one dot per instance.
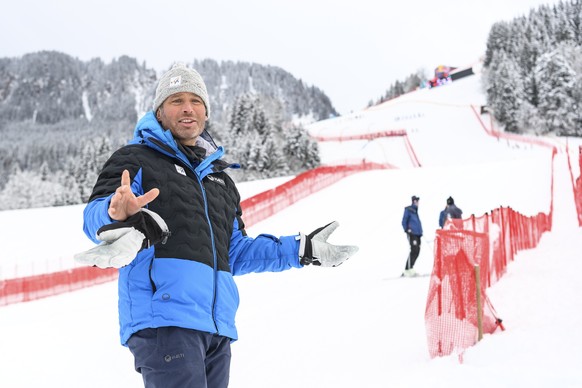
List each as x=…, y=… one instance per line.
x=413, y=229
x=450, y=212
x=166, y=213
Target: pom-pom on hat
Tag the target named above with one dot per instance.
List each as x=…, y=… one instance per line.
x=450, y=201
x=181, y=79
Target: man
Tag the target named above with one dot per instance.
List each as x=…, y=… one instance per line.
x=413, y=229
x=166, y=214
x=450, y=212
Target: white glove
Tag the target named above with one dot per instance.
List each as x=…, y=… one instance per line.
x=121, y=241
x=118, y=249
x=314, y=248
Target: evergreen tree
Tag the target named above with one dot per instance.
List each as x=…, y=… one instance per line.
x=301, y=152
x=505, y=93
x=573, y=13
x=269, y=160
x=497, y=41
x=556, y=85
x=85, y=171
x=27, y=189
x=72, y=193
x=253, y=140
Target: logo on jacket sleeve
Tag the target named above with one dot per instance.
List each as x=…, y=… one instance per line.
x=180, y=169
x=216, y=179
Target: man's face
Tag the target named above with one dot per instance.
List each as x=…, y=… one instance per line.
x=184, y=114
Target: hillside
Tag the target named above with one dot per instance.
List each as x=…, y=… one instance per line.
x=355, y=325
x=83, y=111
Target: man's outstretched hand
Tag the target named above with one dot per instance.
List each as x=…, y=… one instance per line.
x=314, y=248
x=124, y=203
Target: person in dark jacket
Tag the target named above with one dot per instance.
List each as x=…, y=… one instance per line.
x=413, y=229
x=166, y=213
x=450, y=212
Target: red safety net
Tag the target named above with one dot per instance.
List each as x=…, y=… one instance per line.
x=39, y=286
x=578, y=187
x=267, y=203
x=452, y=312
x=255, y=209
x=485, y=244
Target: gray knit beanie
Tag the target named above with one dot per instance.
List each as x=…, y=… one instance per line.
x=181, y=79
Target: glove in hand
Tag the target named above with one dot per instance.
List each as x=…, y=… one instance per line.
x=314, y=248
x=121, y=241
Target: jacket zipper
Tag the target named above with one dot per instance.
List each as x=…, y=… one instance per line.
x=215, y=259
x=161, y=148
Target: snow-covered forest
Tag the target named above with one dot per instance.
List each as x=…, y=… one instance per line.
x=62, y=118
x=533, y=69
x=533, y=72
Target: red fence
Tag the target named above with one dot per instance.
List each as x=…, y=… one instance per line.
x=578, y=190
x=269, y=202
x=363, y=136
x=377, y=135
x=255, y=209
x=577, y=183
x=453, y=314
x=39, y=286
x=471, y=255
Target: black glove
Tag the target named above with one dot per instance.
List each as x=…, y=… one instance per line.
x=121, y=241
x=314, y=248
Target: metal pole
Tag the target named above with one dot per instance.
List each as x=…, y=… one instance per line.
x=479, y=306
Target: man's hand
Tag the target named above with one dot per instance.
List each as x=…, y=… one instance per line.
x=121, y=241
x=124, y=203
x=314, y=248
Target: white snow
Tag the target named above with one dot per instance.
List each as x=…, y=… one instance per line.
x=355, y=325
x=86, y=106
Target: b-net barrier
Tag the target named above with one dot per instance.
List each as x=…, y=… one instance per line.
x=453, y=314
x=255, y=209
x=578, y=190
x=471, y=255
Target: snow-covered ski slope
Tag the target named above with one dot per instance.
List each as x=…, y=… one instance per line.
x=348, y=326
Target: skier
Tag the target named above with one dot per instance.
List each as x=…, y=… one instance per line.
x=450, y=212
x=413, y=229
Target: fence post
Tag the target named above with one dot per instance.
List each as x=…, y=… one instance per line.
x=479, y=303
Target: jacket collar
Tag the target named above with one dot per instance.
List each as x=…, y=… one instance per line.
x=149, y=131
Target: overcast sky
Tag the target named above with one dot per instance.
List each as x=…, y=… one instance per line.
x=352, y=50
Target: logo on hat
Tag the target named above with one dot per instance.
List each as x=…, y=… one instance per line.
x=175, y=81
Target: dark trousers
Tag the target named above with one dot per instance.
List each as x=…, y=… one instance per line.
x=414, y=241
x=172, y=357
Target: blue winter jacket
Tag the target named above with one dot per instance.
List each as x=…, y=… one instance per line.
x=188, y=281
x=411, y=221
x=450, y=211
